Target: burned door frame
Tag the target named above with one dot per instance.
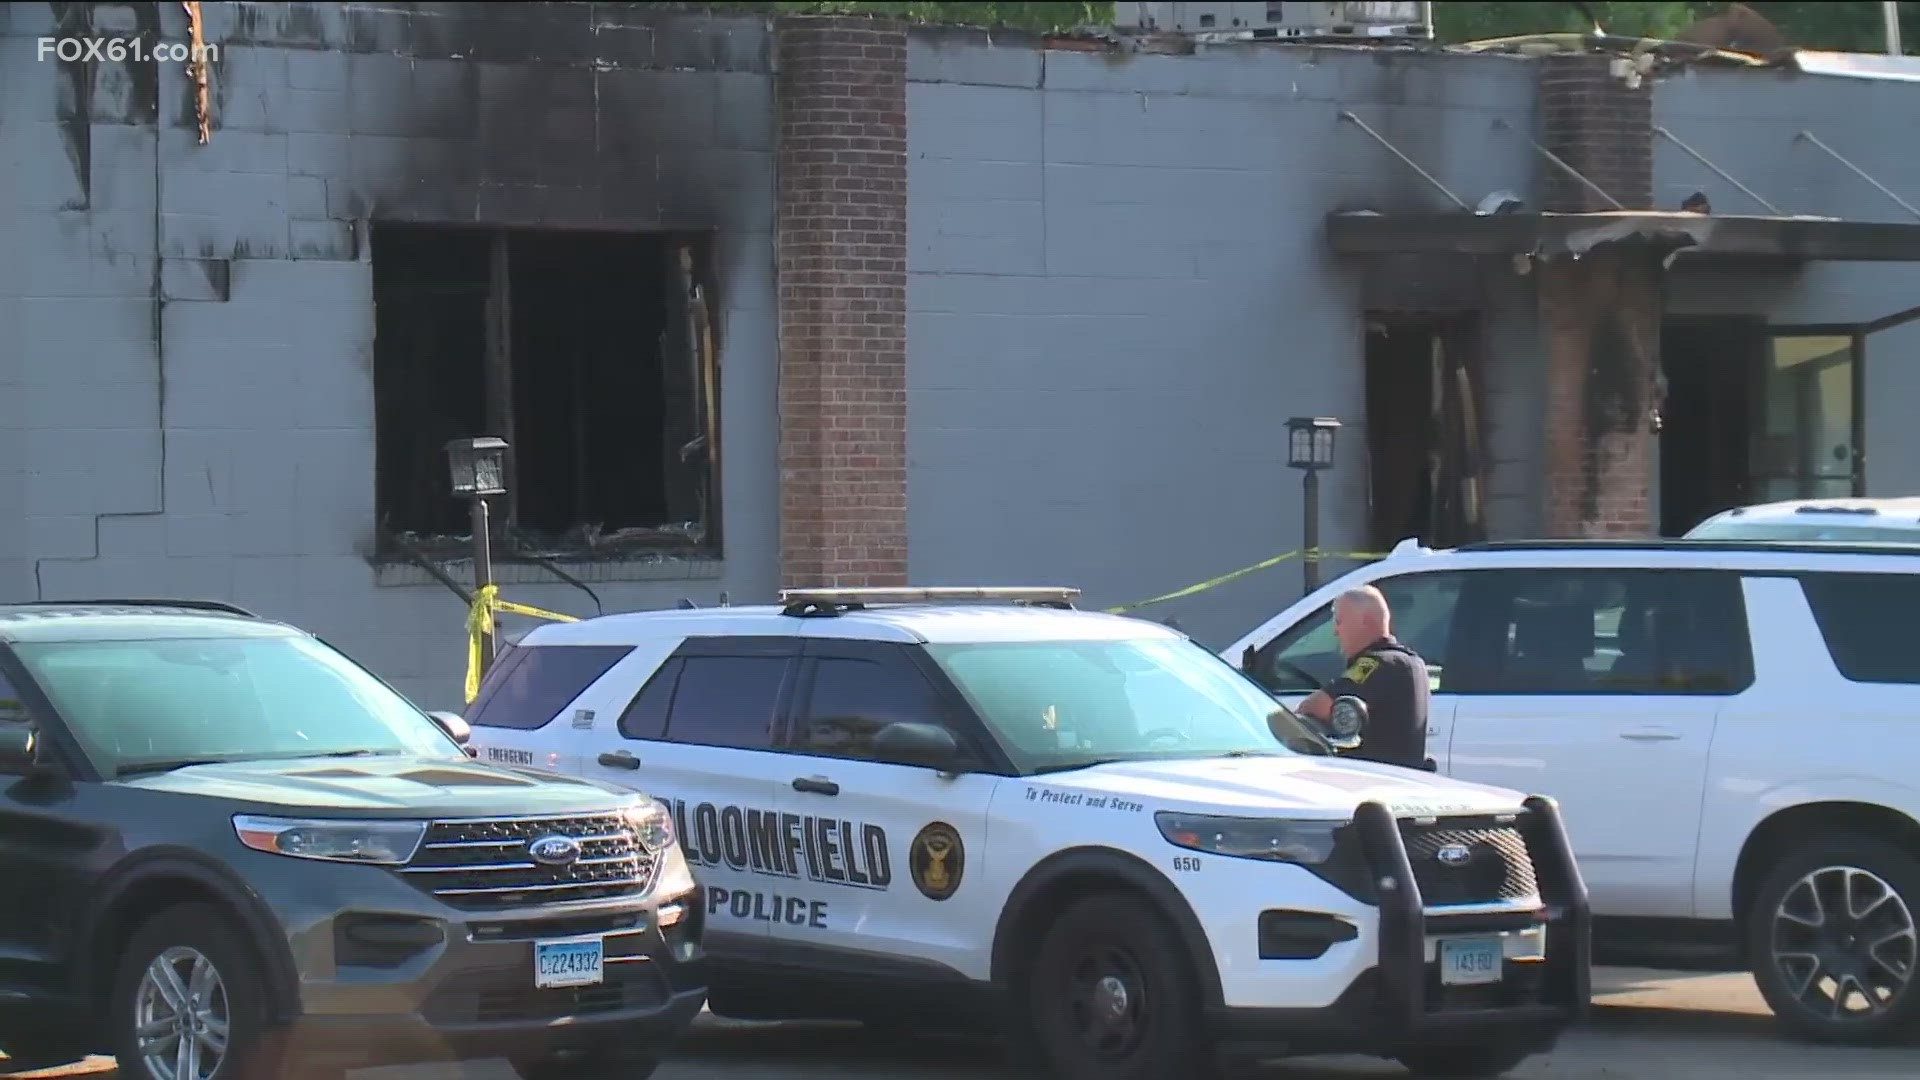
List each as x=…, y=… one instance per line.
x=1455, y=482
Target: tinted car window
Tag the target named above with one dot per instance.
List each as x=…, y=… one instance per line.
x=536, y=682
x=1601, y=632
x=1422, y=606
x=727, y=701
x=1864, y=618
x=646, y=716
x=12, y=709
x=852, y=699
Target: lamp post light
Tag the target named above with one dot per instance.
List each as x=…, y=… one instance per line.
x=478, y=468
x=1310, y=449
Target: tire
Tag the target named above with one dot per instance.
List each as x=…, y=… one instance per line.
x=1464, y=1062
x=589, y=1065
x=1112, y=996
x=184, y=937
x=1860, y=947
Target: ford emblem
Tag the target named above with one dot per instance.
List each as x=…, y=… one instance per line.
x=1449, y=855
x=554, y=850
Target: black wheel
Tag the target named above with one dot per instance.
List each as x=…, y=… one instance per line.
x=586, y=1065
x=1464, y=1062
x=1831, y=938
x=189, y=1002
x=1113, y=996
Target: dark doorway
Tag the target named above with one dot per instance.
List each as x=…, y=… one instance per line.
x=1757, y=414
x=1423, y=430
x=1706, y=420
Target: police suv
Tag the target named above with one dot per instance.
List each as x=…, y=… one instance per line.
x=1084, y=832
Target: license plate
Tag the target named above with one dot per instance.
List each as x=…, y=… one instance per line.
x=578, y=962
x=1472, y=962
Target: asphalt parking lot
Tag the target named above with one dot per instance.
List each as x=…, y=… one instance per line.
x=1650, y=1026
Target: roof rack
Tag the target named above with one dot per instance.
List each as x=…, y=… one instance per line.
x=1868, y=511
x=828, y=602
x=220, y=606
x=1801, y=547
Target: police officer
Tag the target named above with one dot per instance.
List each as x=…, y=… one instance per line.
x=1388, y=676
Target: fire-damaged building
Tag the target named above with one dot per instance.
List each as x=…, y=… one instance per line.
x=825, y=300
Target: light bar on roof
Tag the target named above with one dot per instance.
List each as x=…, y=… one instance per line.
x=934, y=594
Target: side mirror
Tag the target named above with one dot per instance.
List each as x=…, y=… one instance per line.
x=1346, y=722
x=929, y=746
x=19, y=749
x=454, y=725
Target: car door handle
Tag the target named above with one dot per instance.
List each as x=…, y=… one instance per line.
x=818, y=785
x=1650, y=735
x=620, y=760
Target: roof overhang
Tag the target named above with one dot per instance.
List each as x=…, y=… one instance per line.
x=1701, y=237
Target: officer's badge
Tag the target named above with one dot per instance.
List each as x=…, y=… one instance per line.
x=1361, y=670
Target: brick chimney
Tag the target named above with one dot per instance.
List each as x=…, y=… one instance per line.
x=842, y=240
x=1600, y=315
x=1597, y=112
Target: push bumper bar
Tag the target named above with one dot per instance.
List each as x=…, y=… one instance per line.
x=1401, y=991
x=1388, y=1010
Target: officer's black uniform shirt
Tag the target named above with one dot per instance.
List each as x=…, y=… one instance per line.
x=1392, y=680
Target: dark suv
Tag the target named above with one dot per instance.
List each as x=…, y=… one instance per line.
x=228, y=851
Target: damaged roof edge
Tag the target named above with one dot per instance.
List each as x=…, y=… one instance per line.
x=1859, y=65
x=1549, y=235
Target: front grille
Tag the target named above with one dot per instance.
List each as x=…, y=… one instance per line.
x=1499, y=867
x=508, y=994
x=486, y=864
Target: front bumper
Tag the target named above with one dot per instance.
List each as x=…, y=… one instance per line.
x=1400, y=1003
x=387, y=974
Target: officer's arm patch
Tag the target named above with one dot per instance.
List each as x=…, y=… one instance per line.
x=1361, y=670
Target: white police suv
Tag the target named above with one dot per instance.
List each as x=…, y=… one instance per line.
x=1083, y=832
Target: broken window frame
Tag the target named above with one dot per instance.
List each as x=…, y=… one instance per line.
x=691, y=258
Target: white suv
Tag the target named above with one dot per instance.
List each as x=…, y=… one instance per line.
x=1859, y=521
x=1730, y=728
x=1083, y=831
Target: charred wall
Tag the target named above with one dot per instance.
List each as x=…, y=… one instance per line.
x=186, y=399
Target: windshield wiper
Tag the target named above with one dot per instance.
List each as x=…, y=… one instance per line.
x=135, y=768
x=1251, y=753
x=1077, y=765
x=355, y=753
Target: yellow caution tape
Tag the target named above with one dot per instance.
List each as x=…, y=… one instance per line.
x=1264, y=564
x=482, y=620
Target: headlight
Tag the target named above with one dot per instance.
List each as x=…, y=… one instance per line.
x=652, y=826
x=1305, y=842
x=676, y=877
x=382, y=843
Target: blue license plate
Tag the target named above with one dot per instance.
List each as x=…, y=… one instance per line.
x=1471, y=961
x=577, y=962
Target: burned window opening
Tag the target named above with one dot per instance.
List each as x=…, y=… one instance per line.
x=594, y=356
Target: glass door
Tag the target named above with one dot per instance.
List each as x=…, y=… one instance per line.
x=1806, y=435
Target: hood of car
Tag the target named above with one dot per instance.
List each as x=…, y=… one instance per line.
x=1310, y=787
x=397, y=786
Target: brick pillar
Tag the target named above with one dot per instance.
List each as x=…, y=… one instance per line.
x=1601, y=313
x=1600, y=316
x=842, y=242
x=1601, y=123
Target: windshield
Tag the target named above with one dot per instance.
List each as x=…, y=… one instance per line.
x=146, y=704
x=1067, y=704
x=1810, y=531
